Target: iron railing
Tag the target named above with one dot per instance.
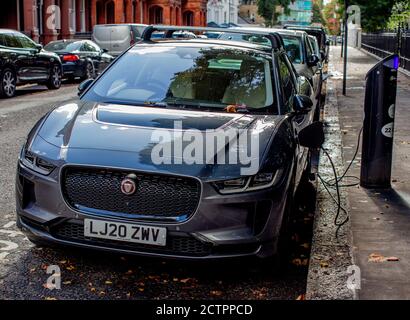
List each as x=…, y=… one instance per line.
x=385, y=43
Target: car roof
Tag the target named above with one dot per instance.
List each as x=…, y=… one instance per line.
x=120, y=24
x=270, y=30
x=210, y=42
x=69, y=40
x=9, y=31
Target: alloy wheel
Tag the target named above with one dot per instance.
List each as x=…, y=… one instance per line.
x=56, y=77
x=9, y=83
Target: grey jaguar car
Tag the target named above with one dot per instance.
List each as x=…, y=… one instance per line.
x=87, y=177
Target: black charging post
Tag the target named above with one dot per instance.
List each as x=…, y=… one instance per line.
x=378, y=124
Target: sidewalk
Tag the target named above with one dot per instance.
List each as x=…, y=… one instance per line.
x=380, y=219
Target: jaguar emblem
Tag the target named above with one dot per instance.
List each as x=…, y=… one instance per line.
x=129, y=185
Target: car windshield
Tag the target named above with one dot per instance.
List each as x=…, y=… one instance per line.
x=63, y=46
x=293, y=47
x=187, y=77
x=292, y=44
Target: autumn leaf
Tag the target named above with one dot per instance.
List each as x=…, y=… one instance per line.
x=392, y=259
x=67, y=282
x=50, y=298
x=301, y=297
x=216, y=293
x=108, y=282
x=375, y=257
x=324, y=264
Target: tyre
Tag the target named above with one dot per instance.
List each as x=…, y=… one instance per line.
x=89, y=72
x=8, y=83
x=54, y=82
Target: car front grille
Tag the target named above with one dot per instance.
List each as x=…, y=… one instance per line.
x=157, y=196
x=176, y=244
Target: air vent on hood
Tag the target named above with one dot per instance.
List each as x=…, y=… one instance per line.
x=161, y=118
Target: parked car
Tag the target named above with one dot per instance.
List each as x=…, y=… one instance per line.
x=317, y=32
x=116, y=38
x=86, y=176
x=297, y=46
x=175, y=35
x=24, y=61
x=80, y=58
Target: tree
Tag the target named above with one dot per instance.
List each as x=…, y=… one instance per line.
x=317, y=16
x=267, y=10
x=400, y=15
x=374, y=14
x=332, y=14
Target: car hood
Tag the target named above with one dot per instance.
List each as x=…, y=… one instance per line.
x=126, y=136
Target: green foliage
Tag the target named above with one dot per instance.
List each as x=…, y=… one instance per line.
x=400, y=15
x=267, y=10
x=374, y=13
x=317, y=16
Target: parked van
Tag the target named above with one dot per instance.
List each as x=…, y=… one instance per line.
x=116, y=38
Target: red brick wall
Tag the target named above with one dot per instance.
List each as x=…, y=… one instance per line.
x=97, y=11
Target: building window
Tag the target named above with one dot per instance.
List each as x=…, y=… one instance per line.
x=156, y=15
x=188, y=18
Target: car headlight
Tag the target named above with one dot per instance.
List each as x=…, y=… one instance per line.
x=259, y=181
x=36, y=163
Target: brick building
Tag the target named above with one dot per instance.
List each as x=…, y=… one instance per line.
x=36, y=17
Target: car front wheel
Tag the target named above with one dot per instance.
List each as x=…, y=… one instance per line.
x=54, y=82
x=89, y=72
x=8, y=83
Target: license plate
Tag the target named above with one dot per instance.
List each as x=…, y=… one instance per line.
x=125, y=232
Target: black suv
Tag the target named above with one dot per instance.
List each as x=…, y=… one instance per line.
x=24, y=61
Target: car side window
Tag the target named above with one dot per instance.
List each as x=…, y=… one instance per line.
x=3, y=40
x=287, y=83
x=11, y=41
x=89, y=47
x=24, y=41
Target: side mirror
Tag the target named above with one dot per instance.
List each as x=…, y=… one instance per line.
x=312, y=136
x=327, y=42
x=302, y=104
x=313, y=60
x=104, y=50
x=39, y=47
x=84, y=85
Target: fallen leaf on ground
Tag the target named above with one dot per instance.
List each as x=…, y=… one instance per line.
x=216, y=293
x=67, y=282
x=324, y=264
x=301, y=297
x=185, y=280
x=375, y=257
x=108, y=282
x=50, y=298
x=392, y=259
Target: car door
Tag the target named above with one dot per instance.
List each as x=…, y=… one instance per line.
x=315, y=69
x=38, y=63
x=290, y=87
x=21, y=56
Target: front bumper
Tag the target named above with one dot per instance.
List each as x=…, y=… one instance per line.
x=223, y=226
